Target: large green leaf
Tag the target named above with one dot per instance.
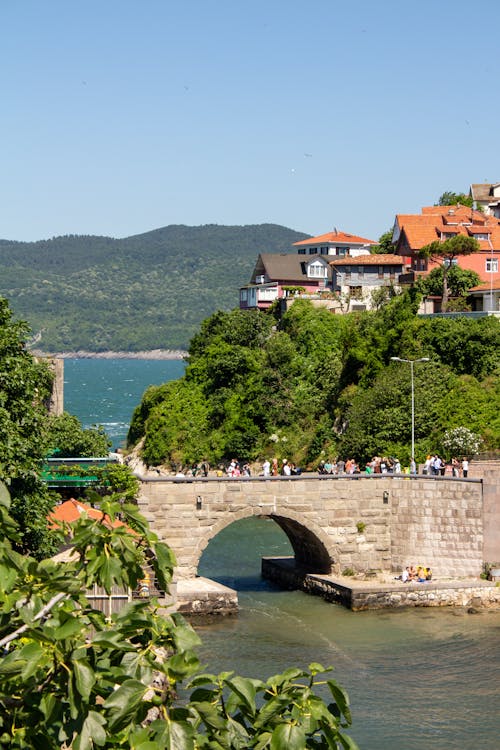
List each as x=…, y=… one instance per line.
x=93, y=732
x=185, y=637
x=341, y=699
x=70, y=628
x=84, y=678
x=245, y=690
x=288, y=737
x=4, y=496
x=180, y=736
x=34, y=654
x=122, y=704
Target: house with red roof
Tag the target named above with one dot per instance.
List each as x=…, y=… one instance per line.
x=338, y=244
x=70, y=511
x=356, y=278
x=286, y=275
x=412, y=232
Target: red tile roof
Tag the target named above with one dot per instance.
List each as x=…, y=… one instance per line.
x=487, y=286
x=422, y=229
x=335, y=238
x=379, y=259
x=71, y=510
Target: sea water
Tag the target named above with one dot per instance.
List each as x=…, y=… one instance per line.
x=423, y=679
x=106, y=391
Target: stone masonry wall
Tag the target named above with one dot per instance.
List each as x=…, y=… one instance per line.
x=406, y=519
x=438, y=522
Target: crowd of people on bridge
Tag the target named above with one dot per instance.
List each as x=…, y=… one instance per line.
x=377, y=465
x=437, y=466
x=434, y=465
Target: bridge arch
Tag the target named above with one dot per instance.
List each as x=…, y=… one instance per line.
x=311, y=546
x=377, y=522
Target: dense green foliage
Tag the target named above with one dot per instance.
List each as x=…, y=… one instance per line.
x=384, y=243
x=25, y=388
x=459, y=280
x=28, y=433
x=67, y=438
x=448, y=252
x=72, y=677
x=449, y=198
x=316, y=384
x=150, y=291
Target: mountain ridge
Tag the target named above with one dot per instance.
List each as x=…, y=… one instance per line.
x=144, y=292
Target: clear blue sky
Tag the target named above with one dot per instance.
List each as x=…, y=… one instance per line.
x=122, y=116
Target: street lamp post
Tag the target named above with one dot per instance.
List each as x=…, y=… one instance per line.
x=411, y=362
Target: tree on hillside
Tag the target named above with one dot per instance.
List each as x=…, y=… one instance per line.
x=384, y=244
x=254, y=389
x=460, y=280
x=73, y=678
x=68, y=438
x=448, y=252
x=449, y=198
x=25, y=388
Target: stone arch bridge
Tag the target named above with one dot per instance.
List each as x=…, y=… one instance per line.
x=376, y=522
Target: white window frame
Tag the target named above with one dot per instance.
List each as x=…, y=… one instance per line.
x=317, y=271
x=491, y=265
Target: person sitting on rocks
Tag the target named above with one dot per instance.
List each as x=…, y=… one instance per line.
x=424, y=573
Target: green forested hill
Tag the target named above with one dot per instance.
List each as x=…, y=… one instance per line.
x=149, y=291
x=314, y=385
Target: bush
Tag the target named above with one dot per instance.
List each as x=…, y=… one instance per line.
x=460, y=441
x=71, y=677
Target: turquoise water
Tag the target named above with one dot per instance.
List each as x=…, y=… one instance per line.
x=418, y=679
x=106, y=391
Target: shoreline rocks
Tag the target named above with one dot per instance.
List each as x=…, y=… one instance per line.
x=82, y=354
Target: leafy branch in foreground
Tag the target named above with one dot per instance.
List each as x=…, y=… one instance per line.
x=70, y=677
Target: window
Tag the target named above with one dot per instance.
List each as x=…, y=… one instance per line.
x=268, y=294
x=447, y=262
x=342, y=251
x=480, y=235
x=317, y=270
x=313, y=251
x=243, y=295
x=302, y=251
x=491, y=265
x=355, y=292
x=323, y=250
